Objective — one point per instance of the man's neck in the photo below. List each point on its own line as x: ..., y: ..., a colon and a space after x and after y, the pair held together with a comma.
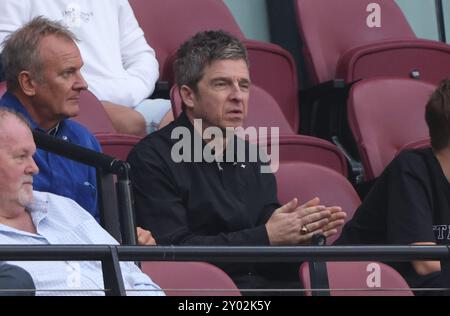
x: 443, y: 156
x: 37, y: 118
x: 18, y: 219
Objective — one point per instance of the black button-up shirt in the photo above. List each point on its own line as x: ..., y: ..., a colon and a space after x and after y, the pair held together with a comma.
x: 195, y: 204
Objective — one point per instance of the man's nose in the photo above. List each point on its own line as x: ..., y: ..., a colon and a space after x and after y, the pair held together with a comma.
x: 237, y: 93
x: 32, y: 168
x: 80, y: 83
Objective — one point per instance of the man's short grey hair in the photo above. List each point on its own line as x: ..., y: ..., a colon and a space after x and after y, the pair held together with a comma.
x: 202, y: 50
x: 5, y: 112
x: 21, y: 49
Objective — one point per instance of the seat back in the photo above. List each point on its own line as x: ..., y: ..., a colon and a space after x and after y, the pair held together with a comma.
x: 93, y: 116
x: 271, y: 67
x: 329, y: 28
x: 302, y: 148
x: 186, y: 19
x: 117, y: 145
x: 415, y: 58
x: 385, y: 114
x: 360, y: 279
x: 190, y: 278
x: 306, y: 181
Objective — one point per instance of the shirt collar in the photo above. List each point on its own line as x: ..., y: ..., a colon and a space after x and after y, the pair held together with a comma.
x: 38, y: 209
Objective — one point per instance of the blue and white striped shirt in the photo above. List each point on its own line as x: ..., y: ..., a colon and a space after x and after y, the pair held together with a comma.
x: 61, y: 221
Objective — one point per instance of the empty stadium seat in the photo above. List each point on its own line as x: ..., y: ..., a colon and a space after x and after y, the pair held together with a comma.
x: 94, y: 117
x: 190, y: 278
x: 307, y: 180
x: 384, y: 115
x: 339, y: 43
x: 272, y: 68
x: 264, y: 112
x: 360, y: 279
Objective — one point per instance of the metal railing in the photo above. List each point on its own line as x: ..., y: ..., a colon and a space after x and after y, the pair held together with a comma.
x: 110, y: 256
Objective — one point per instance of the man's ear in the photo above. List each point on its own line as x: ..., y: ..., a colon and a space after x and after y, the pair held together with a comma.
x: 26, y: 83
x: 187, y: 96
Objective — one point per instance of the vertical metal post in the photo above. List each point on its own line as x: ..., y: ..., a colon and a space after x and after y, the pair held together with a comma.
x: 126, y: 207
x: 112, y: 275
x: 440, y: 20
x: 109, y: 213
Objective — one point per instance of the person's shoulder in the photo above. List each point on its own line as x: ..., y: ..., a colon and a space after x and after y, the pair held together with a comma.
x: 65, y: 209
x: 413, y: 158
x: 413, y: 162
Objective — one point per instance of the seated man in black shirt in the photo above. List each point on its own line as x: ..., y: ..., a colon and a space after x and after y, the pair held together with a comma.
x: 210, y: 202
x: 410, y: 202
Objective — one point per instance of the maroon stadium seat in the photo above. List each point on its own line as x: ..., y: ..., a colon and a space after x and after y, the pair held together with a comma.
x: 190, y: 278
x: 384, y: 115
x: 264, y: 112
x: 272, y: 68
x: 340, y: 45
x: 306, y: 181
x: 360, y: 279
x: 93, y: 116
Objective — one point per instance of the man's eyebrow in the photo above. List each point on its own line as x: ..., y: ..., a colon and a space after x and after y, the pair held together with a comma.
x: 221, y: 79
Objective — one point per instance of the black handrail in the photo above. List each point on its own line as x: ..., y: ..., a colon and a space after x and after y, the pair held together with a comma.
x: 224, y: 254
x: 112, y: 255
x: 112, y: 211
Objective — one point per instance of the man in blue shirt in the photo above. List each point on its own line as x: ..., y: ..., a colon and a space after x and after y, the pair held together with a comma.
x: 45, y: 88
x: 42, y: 66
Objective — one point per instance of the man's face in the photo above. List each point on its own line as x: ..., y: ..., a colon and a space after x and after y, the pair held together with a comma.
x: 57, y: 94
x: 17, y: 166
x: 222, y: 96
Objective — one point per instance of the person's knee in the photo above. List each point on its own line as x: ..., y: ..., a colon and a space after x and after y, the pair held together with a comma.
x: 15, y: 281
x: 125, y: 120
x: 135, y: 125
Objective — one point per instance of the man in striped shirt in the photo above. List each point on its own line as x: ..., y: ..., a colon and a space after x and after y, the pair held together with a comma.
x: 37, y: 218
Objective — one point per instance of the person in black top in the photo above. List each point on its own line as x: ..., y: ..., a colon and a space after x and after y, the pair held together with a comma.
x: 220, y: 200
x: 410, y: 202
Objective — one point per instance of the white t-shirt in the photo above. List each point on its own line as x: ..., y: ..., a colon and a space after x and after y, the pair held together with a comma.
x: 120, y: 66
